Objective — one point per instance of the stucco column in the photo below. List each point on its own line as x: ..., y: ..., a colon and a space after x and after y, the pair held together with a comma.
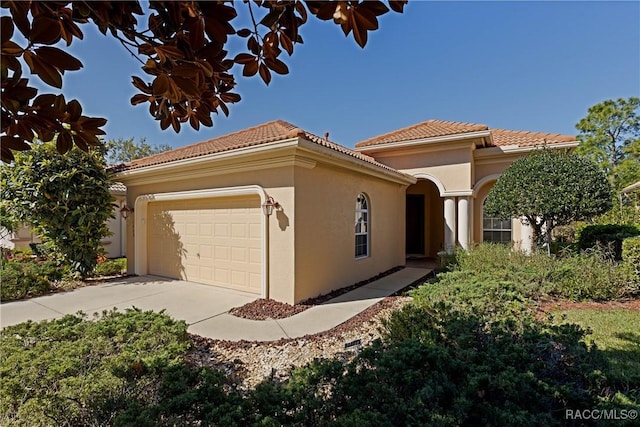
x: 526, y: 238
x: 449, y: 224
x: 463, y: 222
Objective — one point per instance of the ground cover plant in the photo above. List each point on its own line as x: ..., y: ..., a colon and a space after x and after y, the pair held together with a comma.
x: 110, y: 267
x: 470, y: 349
x: 71, y: 371
x: 591, y: 275
x: 25, y: 275
x: 27, y: 279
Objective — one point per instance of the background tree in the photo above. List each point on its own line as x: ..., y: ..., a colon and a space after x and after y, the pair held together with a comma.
x: 610, y: 135
x: 65, y: 198
x: 548, y: 188
x: 125, y: 150
x: 180, y: 45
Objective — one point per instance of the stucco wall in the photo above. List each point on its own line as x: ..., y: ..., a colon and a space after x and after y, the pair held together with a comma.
x: 115, y: 245
x: 451, y: 164
x: 325, y: 217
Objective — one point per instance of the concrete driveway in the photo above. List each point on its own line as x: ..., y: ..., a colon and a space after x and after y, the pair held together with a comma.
x: 187, y: 301
x: 205, y: 308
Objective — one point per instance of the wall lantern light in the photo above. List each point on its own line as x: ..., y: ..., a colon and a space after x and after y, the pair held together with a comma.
x: 268, y: 205
x: 125, y: 211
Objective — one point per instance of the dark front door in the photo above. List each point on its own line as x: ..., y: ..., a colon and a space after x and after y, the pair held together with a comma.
x: 415, y: 224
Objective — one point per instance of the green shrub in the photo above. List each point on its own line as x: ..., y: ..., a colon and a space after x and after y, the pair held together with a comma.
x: 609, y: 236
x: 72, y: 371
x: 41, y: 250
x: 497, y: 269
x: 187, y: 396
x: 111, y: 267
x: 631, y: 257
x: 590, y: 275
x: 446, y: 366
x: 27, y: 279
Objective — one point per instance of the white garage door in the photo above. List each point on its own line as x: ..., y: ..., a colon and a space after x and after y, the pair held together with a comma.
x: 211, y: 241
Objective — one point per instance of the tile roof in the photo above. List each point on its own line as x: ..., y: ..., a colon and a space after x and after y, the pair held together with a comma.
x: 118, y: 188
x: 428, y: 129
x: 438, y: 128
x: 503, y: 137
x: 277, y: 130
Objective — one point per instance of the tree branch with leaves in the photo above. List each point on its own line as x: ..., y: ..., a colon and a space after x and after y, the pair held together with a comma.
x: 181, y: 46
x: 610, y: 135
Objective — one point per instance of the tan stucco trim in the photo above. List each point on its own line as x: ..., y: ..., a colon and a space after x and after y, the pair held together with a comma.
x: 335, y: 158
x: 444, y: 146
x: 433, y: 179
x: 292, y: 152
x: 141, y: 264
x: 421, y: 141
x: 481, y: 183
x: 225, y: 164
x: 516, y: 149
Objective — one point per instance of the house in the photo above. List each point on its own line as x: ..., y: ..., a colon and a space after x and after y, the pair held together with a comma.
x: 279, y: 212
x: 114, y: 245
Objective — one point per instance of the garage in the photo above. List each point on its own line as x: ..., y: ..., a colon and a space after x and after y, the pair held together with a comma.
x: 214, y: 241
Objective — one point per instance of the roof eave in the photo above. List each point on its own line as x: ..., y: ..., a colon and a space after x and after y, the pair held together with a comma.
x: 194, y: 161
x: 484, y: 134
x: 370, y: 168
x: 516, y: 149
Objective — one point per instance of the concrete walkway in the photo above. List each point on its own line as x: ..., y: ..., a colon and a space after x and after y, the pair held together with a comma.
x: 205, y: 308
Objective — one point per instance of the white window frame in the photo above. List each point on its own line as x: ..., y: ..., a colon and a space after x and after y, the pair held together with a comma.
x: 362, y: 218
x: 501, y: 230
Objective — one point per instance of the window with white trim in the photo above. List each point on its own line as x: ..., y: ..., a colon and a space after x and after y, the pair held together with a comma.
x: 362, y: 226
x: 495, y: 230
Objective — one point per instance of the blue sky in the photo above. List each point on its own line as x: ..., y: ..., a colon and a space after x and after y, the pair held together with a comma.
x: 515, y: 65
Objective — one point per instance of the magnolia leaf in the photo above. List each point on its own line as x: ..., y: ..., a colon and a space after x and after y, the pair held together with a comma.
x: 58, y: 58
x: 14, y: 143
x: 276, y: 65
x: 45, y: 30
x: 194, y: 122
x: 160, y: 85
x: 365, y: 18
x: 11, y: 48
x: 64, y: 142
x: 141, y: 85
x: 47, y: 73
x: 244, y: 33
x: 187, y: 86
x: 286, y: 43
x: 6, y: 29
x: 265, y: 74
x: 397, y: 5
x: 250, y: 69
x: 230, y: 97
x: 376, y: 7
x: 359, y: 33
x: 74, y: 109
x: 175, y: 123
x: 244, y: 58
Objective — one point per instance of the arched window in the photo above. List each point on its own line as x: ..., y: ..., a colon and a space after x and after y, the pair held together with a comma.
x: 362, y: 226
x: 495, y: 230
